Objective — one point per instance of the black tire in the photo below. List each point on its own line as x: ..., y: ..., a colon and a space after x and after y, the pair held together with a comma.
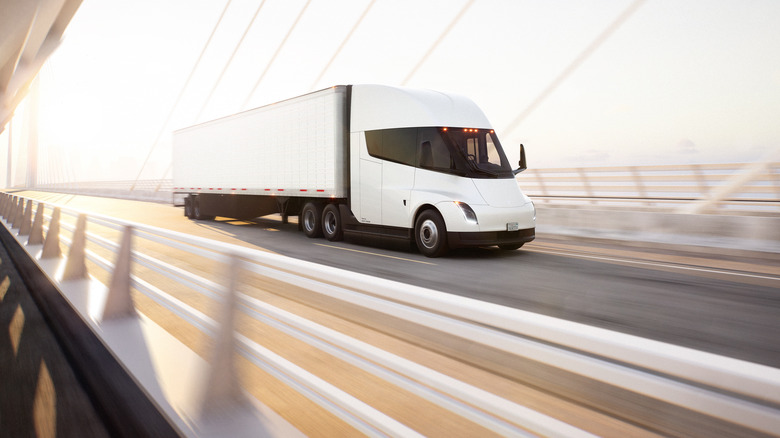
x: 510, y: 246
x: 430, y: 234
x: 332, y: 228
x: 188, y: 207
x: 197, y: 214
x: 311, y: 219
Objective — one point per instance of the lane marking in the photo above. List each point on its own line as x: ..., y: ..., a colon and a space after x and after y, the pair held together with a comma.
x: 661, y: 265
x: 376, y: 254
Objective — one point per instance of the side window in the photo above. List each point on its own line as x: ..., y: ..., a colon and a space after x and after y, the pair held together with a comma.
x: 400, y: 145
x: 492, y: 152
x: 374, y: 143
x: 397, y: 145
x: 434, y: 153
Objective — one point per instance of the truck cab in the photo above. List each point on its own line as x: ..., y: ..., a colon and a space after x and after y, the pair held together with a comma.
x: 428, y: 166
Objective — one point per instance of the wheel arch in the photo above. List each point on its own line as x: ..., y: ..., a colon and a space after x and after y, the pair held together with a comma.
x: 422, y: 208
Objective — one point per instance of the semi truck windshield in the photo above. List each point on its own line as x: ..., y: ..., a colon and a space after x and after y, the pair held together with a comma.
x: 481, y: 150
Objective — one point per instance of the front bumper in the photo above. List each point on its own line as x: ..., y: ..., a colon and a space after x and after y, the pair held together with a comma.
x: 489, y: 238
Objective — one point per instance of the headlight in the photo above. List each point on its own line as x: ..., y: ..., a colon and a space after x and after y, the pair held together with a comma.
x: 468, y: 213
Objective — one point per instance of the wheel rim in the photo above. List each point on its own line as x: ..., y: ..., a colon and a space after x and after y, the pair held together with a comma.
x: 309, y: 220
x: 330, y: 223
x: 429, y: 234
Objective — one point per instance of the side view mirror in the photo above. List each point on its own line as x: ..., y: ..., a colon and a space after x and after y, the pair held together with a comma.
x: 522, y: 162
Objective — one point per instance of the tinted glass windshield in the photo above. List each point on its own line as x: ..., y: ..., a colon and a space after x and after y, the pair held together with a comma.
x: 480, y: 148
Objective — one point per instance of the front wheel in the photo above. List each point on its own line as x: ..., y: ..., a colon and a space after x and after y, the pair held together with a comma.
x: 430, y: 234
x: 311, y: 217
x: 331, y: 223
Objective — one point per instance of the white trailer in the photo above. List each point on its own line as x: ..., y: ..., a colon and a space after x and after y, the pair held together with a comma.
x: 360, y: 159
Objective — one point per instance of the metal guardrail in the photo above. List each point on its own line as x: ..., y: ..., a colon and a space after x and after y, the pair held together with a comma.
x: 734, y: 392
x: 660, y: 187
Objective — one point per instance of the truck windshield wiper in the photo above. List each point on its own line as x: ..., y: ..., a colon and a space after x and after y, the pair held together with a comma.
x: 475, y: 167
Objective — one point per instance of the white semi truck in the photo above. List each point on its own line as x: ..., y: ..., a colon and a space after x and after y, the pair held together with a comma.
x: 373, y: 160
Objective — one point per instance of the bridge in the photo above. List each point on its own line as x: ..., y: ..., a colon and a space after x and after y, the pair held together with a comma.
x: 647, y: 305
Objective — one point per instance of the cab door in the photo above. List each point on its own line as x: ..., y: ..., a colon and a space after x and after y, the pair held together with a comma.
x: 368, y: 185
x: 398, y: 170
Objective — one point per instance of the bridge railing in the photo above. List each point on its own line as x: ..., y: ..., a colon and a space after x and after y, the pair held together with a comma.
x: 705, y: 390
x: 668, y: 187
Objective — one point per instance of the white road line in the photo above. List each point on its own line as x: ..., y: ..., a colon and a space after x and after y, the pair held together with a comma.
x: 376, y: 254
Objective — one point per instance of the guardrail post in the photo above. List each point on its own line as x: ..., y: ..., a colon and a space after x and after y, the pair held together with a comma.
x: 18, y: 212
x: 639, y: 183
x: 222, y: 391
x: 12, y: 209
x: 542, y: 185
x: 119, y: 302
x: 586, y: 183
x: 76, y: 266
x: 7, y: 208
x: 51, y: 247
x: 36, y: 233
x: 24, y: 229
x: 4, y: 205
x: 702, y: 183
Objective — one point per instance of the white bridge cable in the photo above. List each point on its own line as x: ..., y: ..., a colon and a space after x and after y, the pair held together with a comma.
x: 584, y: 55
x: 229, y: 61
x: 181, y: 93
x: 273, y: 58
x: 343, y: 43
x: 438, y: 41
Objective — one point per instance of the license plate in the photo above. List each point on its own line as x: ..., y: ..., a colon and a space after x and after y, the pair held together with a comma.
x: 512, y: 226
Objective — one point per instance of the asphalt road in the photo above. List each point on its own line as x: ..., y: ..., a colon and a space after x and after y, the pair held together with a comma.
x: 723, y: 303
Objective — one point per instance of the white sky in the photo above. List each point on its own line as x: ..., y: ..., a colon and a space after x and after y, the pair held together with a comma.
x: 680, y: 82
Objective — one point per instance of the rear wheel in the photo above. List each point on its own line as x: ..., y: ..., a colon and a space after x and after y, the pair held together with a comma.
x: 331, y: 223
x: 188, y: 207
x: 510, y: 246
x: 197, y: 214
x: 431, y: 234
x: 311, y: 219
